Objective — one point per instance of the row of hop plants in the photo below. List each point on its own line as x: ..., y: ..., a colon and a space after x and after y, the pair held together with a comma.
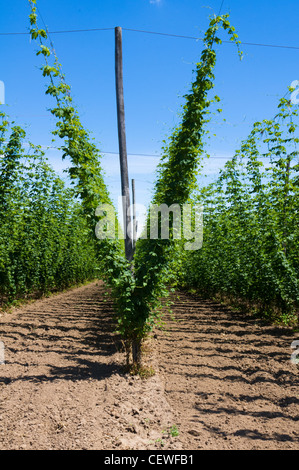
x: 250, y: 255
x: 45, y: 244
x: 136, y: 287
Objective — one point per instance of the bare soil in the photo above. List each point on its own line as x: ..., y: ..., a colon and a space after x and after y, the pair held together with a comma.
x: 222, y: 380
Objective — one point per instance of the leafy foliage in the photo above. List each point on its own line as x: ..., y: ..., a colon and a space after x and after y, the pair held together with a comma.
x: 250, y: 253
x: 136, y: 289
x: 44, y: 241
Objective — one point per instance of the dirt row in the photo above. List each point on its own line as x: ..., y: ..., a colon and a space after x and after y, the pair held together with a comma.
x: 222, y: 381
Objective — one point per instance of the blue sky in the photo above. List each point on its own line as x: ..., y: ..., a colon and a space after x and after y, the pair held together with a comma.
x: 157, y: 72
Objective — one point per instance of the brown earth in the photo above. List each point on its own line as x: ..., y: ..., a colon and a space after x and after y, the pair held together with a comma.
x: 223, y: 381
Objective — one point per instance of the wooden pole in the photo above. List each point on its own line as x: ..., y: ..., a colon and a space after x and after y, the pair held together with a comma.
x: 135, y: 342
x: 134, y: 216
x: 122, y: 141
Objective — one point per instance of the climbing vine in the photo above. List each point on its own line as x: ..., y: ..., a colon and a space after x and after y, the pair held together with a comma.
x: 250, y: 255
x: 136, y: 291
x: 44, y: 242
